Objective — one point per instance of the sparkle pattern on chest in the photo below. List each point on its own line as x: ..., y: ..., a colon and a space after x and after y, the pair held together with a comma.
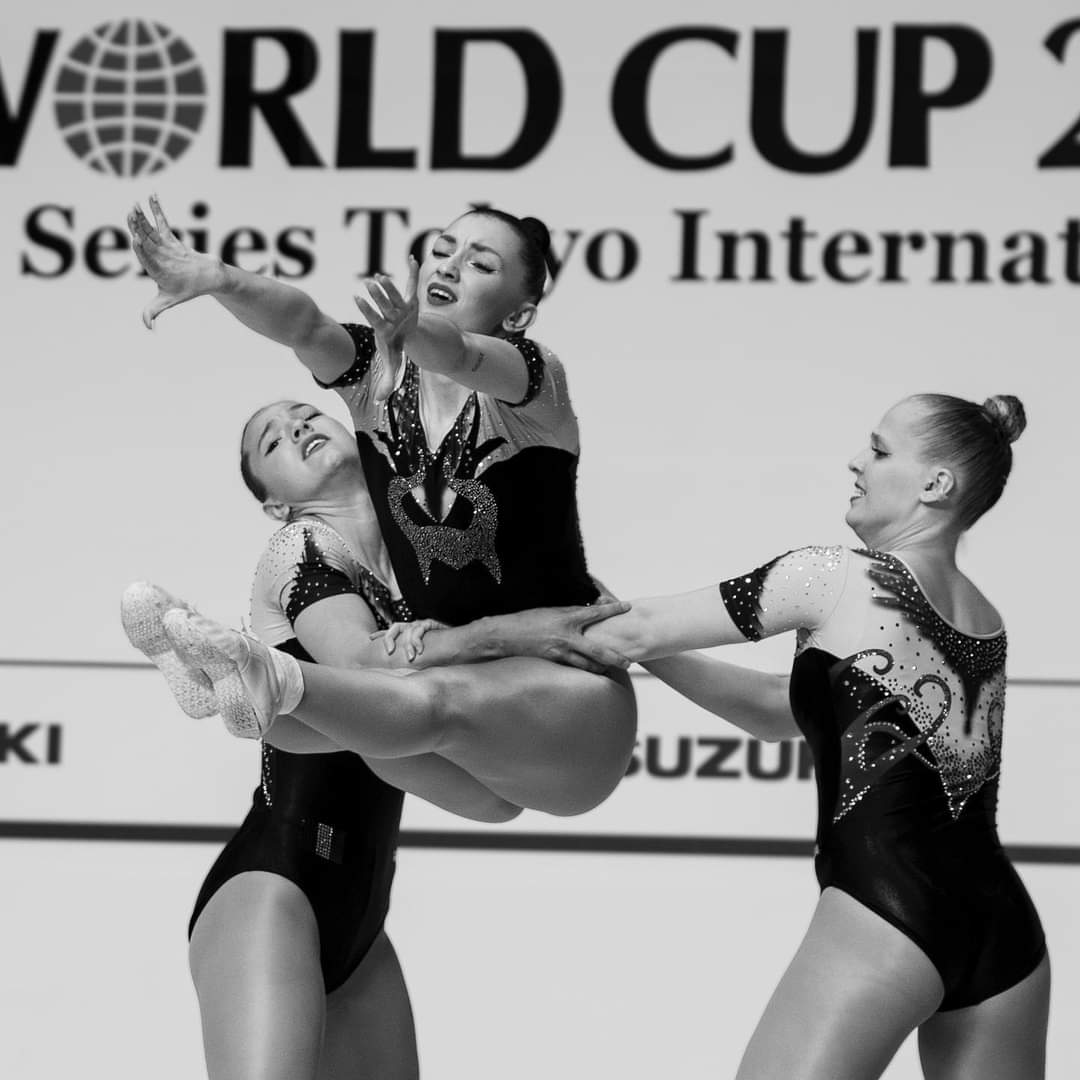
x: 961, y: 731
x: 450, y: 470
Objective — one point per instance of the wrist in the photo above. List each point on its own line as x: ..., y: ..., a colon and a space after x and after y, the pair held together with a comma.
x: 223, y: 278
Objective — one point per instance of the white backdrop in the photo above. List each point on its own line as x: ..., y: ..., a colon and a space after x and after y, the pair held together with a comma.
x: 720, y: 398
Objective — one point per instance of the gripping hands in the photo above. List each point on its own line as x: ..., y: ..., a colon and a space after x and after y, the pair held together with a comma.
x: 556, y: 634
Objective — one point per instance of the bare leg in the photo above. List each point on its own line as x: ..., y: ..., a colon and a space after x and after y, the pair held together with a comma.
x: 1002, y: 1038
x: 427, y: 776
x: 855, y: 990
x: 369, y: 1022
x: 254, y: 959
x: 539, y: 735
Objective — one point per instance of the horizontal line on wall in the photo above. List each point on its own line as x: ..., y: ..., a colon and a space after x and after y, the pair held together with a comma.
x: 584, y: 843
x: 141, y: 665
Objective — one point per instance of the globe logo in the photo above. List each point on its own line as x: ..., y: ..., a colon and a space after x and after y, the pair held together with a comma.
x: 130, y: 97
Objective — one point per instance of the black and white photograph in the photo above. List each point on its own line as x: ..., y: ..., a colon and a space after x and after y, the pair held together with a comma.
x: 539, y: 540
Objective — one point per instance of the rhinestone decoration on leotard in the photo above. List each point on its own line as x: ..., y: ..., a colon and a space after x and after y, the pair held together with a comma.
x: 428, y: 484
x: 322, y: 569
x: 878, y: 693
x: 455, y: 547
x: 975, y: 659
x: 364, y: 340
x: 534, y: 366
x: 442, y: 477
x: 966, y: 744
x: 804, y: 581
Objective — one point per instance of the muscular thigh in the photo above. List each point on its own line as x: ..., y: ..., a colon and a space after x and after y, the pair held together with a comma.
x: 254, y: 959
x: 541, y: 735
x: 1002, y: 1038
x: 369, y: 1022
x: 854, y: 991
x: 546, y: 693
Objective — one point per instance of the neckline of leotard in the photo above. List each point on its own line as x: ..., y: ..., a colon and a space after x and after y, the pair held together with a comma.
x: 413, y: 388
x: 930, y: 603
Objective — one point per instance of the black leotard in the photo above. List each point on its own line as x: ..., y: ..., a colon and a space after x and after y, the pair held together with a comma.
x: 488, y: 522
x: 324, y: 821
x: 903, y: 715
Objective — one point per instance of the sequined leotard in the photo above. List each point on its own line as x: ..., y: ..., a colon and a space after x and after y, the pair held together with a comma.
x: 487, y: 523
x: 903, y: 715
x: 324, y: 821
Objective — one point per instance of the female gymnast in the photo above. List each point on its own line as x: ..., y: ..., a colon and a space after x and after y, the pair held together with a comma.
x: 294, y: 973
x: 898, y: 685
x: 469, y: 446
x: 491, y: 527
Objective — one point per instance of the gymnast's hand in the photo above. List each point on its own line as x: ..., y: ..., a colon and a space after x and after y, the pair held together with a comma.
x: 605, y: 595
x: 556, y: 634
x: 409, y: 635
x: 392, y: 317
x: 179, y: 272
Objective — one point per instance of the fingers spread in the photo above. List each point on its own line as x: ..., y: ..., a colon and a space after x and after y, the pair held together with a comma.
x: 386, y: 283
x: 159, y: 216
x: 374, y: 318
x: 138, y: 224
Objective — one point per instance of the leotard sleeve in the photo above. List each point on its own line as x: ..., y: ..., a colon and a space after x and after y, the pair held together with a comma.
x: 303, y: 564
x: 799, y: 590
x: 354, y: 385
x: 544, y: 416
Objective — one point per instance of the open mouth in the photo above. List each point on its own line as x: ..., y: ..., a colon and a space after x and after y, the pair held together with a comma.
x: 315, y: 442
x: 440, y: 294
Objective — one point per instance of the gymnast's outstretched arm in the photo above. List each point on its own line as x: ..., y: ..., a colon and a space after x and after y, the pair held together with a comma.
x: 483, y: 362
x: 271, y: 308
x: 756, y: 701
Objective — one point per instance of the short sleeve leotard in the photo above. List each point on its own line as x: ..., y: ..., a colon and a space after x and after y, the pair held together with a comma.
x: 903, y: 715
x: 487, y: 522
x: 324, y: 821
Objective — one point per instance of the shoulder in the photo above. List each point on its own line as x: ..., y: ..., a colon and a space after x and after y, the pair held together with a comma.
x: 822, y: 558
x: 304, y: 541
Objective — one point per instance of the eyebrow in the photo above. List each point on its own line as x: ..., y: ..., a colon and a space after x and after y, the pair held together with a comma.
x: 475, y: 245
x: 270, y: 423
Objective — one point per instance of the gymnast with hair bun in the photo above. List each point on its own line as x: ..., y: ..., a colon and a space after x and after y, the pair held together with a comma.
x: 898, y: 687
x: 453, y: 505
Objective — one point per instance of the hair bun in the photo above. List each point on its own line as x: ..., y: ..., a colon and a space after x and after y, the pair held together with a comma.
x: 537, y: 232
x: 1007, y: 412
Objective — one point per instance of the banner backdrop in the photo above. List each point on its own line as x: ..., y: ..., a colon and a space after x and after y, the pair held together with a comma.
x: 770, y: 222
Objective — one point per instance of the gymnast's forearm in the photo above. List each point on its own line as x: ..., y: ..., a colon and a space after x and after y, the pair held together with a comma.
x: 279, y: 312
x: 755, y: 701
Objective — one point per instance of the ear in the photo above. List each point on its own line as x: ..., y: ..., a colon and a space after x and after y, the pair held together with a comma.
x: 939, y: 485
x: 519, y: 320
x: 276, y: 510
